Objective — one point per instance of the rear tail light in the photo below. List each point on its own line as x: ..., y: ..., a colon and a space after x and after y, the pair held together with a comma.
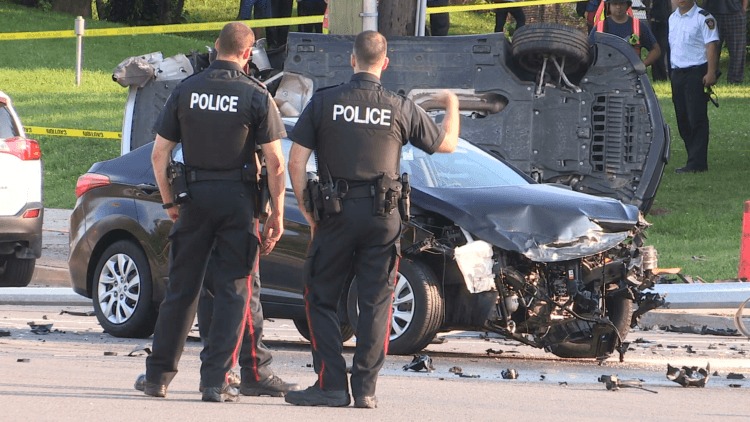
x: 32, y: 213
x: 90, y: 181
x: 25, y: 149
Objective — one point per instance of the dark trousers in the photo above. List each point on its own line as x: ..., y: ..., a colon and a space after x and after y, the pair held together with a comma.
x: 311, y: 8
x: 501, y: 15
x: 659, y: 70
x: 690, y: 106
x: 733, y: 32
x: 353, y: 240
x: 276, y: 35
x: 254, y: 358
x: 219, y: 215
x: 440, y: 23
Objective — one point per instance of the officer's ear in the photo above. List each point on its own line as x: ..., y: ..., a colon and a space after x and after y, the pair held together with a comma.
x: 353, y: 60
x: 385, y: 63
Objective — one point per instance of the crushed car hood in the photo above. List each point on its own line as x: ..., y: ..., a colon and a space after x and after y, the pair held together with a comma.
x: 545, y: 223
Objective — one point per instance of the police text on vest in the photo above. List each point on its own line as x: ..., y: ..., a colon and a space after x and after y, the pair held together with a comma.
x: 214, y: 102
x: 368, y: 116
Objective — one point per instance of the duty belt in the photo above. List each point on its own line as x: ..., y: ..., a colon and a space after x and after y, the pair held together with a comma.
x: 360, y: 191
x: 200, y: 175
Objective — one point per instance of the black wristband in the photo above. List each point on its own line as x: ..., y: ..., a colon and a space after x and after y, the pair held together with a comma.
x: 168, y: 205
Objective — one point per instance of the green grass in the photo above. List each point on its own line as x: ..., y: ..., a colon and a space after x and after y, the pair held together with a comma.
x: 696, y: 218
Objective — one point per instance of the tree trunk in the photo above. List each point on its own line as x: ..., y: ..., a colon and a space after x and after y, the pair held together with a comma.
x: 397, y: 17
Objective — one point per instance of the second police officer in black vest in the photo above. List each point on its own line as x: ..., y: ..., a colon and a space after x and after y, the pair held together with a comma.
x: 219, y: 115
x: 357, y: 131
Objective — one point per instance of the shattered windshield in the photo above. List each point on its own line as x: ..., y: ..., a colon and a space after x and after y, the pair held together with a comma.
x: 467, y: 167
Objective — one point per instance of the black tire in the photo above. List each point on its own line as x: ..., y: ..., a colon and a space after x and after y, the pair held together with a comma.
x: 619, y: 311
x: 17, y: 271
x: 533, y: 42
x: 122, y: 291
x: 347, y: 331
x: 415, y: 321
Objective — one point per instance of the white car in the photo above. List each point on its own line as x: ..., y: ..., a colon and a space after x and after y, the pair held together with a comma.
x: 21, y: 209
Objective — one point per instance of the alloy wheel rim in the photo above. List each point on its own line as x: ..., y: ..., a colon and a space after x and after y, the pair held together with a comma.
x: 402, y: 309
x: 119, y: 288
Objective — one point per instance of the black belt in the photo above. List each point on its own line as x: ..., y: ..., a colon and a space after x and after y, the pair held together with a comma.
x: 360, y: 191
x: 689, y: 68
x: 200, y: 175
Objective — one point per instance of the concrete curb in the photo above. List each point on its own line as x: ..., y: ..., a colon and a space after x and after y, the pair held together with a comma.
x: 30, y: 296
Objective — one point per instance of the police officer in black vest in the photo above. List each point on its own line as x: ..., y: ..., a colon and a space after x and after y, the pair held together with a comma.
x: 219, y: 115
x: 357, y: 131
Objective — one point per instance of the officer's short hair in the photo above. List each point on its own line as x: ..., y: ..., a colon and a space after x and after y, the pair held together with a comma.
x: 369, y: 48
x: 234, y: 38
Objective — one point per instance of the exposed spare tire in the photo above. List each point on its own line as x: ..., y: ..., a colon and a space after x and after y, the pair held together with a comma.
x: 533, y: 42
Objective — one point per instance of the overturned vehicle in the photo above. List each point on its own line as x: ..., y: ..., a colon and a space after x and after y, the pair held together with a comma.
x: 505, y: 234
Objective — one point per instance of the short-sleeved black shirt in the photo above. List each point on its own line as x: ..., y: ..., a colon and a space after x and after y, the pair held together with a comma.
x: 220, y: 115
x: 357, y: 129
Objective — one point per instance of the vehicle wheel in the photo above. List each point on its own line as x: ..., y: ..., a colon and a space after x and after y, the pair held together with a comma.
x: 122, y: 291
x: 347, y: 331
x: 17, y: 272
x: 533, y: 42
x: 418, y: 308
x: 619, y: 311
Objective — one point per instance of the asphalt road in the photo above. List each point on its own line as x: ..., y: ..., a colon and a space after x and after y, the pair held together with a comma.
x: 79, y: 373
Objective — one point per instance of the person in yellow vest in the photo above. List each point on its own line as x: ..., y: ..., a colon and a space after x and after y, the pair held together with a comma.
x: 621, y: 23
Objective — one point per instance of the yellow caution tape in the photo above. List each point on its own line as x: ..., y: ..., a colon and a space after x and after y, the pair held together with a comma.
x: 491, y: 6
x: 255, y: 23
x: 74, y: 133
x: 159, y: 29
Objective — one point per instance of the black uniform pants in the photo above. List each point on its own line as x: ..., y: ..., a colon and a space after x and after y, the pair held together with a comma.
x: 219, y: 214
x: 311, y: 8
x: 277, y: 35
x: 659, y: 70
x: 254, y: 358
x: 501, y: 15
x: 440, y: 23
x: 352, y: 240
x: 690, y: 106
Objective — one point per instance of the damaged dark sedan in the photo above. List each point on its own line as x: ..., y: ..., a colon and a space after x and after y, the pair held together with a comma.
x: 487, y: 246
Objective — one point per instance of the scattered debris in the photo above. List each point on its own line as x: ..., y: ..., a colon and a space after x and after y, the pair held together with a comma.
x: 110, y: 353
x: 4, y: 333
x: 509, y: 374
x: 704, y: 330
x: 613, y: 383
x: 140, y: 350
x: 715, y: 374
x: 712, y: 347
x: 542, y: 377
x: 735, y: 376
x: 25, y: 360
x: 462, y: 375
x: 78, y: 313
x: 689, y: 349
x: 456, y: 370
x: 563, y: 383
x: 692, y: 376
x: 735, y: 385
x: 640, y: 340
x: 494, y: 352
x: 40, y: 328
x: 44, y: 316
x: 420, y: 363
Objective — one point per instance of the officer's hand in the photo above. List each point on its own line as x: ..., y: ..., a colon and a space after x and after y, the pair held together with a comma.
x: 173, y: 213
x: 446, y: 98
x: 272, y: 230
x: 709, y: 79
